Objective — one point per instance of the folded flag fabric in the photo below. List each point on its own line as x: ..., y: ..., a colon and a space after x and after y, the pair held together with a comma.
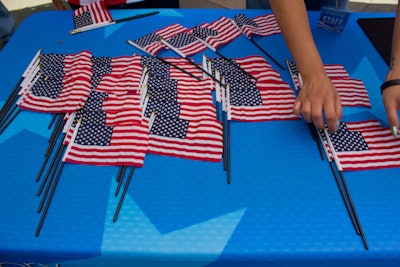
x: 362, y: 145
x: 264, y: 25
x: 91, y: 14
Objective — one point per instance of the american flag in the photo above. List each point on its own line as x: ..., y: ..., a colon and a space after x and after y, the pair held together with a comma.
x: 265, y: 100
x: 174, y: 109
x: 62, y: 87
x: 182, y: 91
x: 186, y: 44
x: 351, y: 91
x: 118, y: 145
x: 93, y: 13
x: 264, y: 25
x: 190, y: 139
x: 122, y: 109
x: 164, y: 70
x: 217, y: 33
x: 363, y: 145
x: 151, y: 42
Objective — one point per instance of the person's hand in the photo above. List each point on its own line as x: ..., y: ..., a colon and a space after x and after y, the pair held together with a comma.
x: 317, y: 99
x: 391, y: 100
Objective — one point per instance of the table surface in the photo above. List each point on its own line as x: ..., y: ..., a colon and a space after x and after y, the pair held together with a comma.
x: 282, y: 208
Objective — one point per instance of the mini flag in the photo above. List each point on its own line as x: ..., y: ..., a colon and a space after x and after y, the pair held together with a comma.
x: 190, y: 139
x: 363, y: 145
x: 93, y: 13
x: 186, y: 44
x: 118, y: 145
x: 151, y: 42
x: 217, y: 33
x: 264, y: 25
x: 352, y: 92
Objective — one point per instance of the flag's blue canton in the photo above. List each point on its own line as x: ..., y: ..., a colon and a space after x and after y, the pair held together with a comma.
x: 100, y: 66
x: 240, y: 81
x: 47, y: 87
x: 90, y: 117
x: 241, y: 20
x: 245, y: 98
x: 163, y: 88
x: 52, y: 63
x: 162, y: 108
x: 83, y: 20
x: 147, y: 40
x: 344, y: 140
x: 181, y: 39
x: 224, y: 67
x: 203, y: 32
x: 94, y: 135
x: 170, y: 127
x: 156, y: 66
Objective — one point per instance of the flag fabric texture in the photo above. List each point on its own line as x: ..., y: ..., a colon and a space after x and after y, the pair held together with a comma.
x: 91, y: 14
x: 189, y: 139
x: 118, y: 145
x: 362, y: 145
x: 269, y: 98
x: 352, y: 91
x: 62, y: 85
x: 264, y: 25
x: 151, y: 42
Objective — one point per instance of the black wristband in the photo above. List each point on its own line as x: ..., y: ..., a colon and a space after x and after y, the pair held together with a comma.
x: 389, y: 83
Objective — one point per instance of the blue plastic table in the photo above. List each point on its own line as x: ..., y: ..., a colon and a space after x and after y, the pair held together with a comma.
x: 282, y: 208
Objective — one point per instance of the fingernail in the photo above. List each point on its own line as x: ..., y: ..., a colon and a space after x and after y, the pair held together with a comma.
x: 337, y: 125
x: 394, y: 131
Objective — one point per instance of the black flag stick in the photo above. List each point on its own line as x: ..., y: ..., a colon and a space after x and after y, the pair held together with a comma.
x: 53, y: 118
x: 14, y: 94
x: 345, y: 191
x: 99, y: 25
x: 225, y: 58
x: 4, y: 125
x: 191, y: 62
x: 46, y: 208
x: 354, y: 209
x: 163, y: 60
x: 121, y: 200
x: 228, y: 136
x: 120, y: 180
x: 259, y: 47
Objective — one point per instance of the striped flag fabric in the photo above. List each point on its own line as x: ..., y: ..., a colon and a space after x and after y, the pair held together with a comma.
x: 351, y: 91
x: 217, y: 33
x: 362, y: 145
x: 91, y: 14
x: 62, y: 85
x: 189, y: 139
x: 102, y: 145
x: 151, y: 42
x: 264, y: 25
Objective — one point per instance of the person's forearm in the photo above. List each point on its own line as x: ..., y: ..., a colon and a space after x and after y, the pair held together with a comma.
x: 293, y: 21
x: 394, y: 68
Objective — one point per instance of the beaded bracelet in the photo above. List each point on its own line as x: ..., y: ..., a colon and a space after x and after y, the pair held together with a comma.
x: 389, y: 83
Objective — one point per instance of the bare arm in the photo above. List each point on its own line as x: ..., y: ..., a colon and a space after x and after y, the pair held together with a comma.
x: 59, y: 4
x: 318, y: 96
x: 391, y: 95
